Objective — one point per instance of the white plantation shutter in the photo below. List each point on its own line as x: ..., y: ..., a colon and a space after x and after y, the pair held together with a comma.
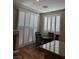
x: 27, y: 25
x: 52, y: 24
x: 57, y: 23
x: 45, y: 24
x: 49, y: 24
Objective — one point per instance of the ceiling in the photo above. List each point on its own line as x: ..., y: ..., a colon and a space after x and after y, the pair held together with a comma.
x: 52, y: 5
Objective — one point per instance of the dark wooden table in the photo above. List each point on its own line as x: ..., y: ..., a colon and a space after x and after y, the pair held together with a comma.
x: 49, y: 52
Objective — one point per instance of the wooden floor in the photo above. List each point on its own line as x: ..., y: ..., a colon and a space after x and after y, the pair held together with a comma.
x: 30, y: 52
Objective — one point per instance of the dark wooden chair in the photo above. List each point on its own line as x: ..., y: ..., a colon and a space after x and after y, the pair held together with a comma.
x: 50, y: 34
x: 38, y: 38
x: 42, y: 40
x: 56, y: 37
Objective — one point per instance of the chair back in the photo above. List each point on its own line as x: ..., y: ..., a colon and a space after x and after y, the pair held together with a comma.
x: 57, y: 37
x: 37, y: 34
x: 38, y: 38
x: 50, y: 34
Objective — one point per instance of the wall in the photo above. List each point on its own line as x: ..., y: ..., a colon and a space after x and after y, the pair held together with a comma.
x: 62, y: 28
x: 62, y: 36
x: 15, y: 17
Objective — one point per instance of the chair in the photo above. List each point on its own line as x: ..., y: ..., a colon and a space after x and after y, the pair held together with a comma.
x: 56, y: 37
x: 51, y: 35
x: 38, y: 38
x: 38, y: 34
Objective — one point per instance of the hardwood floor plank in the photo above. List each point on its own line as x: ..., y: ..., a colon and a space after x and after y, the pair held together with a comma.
x: 29, y: 52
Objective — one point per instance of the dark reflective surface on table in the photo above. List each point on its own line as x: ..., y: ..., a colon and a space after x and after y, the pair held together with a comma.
x: 54, y: 47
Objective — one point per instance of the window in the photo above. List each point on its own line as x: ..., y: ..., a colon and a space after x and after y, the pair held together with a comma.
x: 27, y: 25
x: 45, y: 24
x: 49, y: 24
x: 57, y: 23
x: 52, y: 24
